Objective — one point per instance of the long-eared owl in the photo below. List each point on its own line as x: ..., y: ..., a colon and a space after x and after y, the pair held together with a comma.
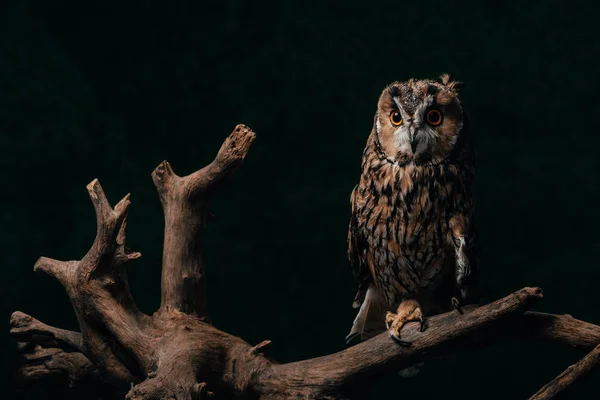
x: 411, y: 239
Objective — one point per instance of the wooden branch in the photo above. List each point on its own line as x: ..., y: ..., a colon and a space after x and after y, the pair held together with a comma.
x: 52, y: 359
x: 363, y: 362
x: 185, y: 205
x: 27, y: 329
x: 97, y: 286
x: 44, y: 364
x: 176, y: 354
x: 558, y: 328
x: 569, y: 376
x: 59, y: 373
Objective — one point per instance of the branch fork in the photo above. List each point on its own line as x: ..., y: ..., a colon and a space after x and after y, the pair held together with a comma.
x: 177, y: 354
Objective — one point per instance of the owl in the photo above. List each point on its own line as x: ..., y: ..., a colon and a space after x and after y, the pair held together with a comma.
x: 411, y: 239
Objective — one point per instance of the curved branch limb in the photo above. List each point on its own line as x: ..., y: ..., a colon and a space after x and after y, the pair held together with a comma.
x: 94, y: 343
x: 25, y: 328
x: 337, y: 373
x: 43, y: 364
x: 111, y: 325
x: 569, y: 376
x: 100, y: 259
x: 231, y: 155
x: 185, y: 205
x: 558, y: 328
x: 60, y: 373
x: 63, y: 271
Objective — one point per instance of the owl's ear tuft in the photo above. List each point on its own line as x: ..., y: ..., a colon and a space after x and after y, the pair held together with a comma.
x: 451, y: 84
x: 445, y: 79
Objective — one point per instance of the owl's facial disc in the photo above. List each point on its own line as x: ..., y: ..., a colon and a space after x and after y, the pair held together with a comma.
x: 415, y: 131
x: 418, y: 121
x: 415, y: 137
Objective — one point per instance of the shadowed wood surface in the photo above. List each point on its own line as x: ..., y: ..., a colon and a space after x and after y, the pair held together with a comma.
x: 176, y: 353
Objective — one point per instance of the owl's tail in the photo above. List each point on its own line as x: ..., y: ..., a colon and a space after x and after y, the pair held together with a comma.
x: 370, y: 319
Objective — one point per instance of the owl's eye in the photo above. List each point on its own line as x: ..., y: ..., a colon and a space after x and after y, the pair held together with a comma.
x: 434, y: 117
x: 396, y: 118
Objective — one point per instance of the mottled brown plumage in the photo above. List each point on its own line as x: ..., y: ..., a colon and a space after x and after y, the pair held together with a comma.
x: 411, y: 240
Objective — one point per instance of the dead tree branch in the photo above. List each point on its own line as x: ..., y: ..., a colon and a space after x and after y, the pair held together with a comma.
x: 177, y: 354
x: 27, y: 329
x: 185, y: 204
x: 569, y: 376
x: 559, y: 328
x: 39, y: 364
x: 52, y: 357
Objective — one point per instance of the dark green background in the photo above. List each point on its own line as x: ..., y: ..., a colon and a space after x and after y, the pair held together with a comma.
x: 109, y: 89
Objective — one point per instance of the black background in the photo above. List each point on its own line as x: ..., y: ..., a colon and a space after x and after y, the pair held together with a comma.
x: 109, y: 89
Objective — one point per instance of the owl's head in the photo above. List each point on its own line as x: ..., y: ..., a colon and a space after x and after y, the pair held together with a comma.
x: 419, y: 121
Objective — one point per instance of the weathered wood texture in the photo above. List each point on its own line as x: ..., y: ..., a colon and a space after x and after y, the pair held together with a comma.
x: 177, y: 354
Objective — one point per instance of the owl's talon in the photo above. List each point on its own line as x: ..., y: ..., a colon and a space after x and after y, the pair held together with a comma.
x: 456, y: 305
x: 389, y: 319
x: 423, y: 324
x: 400, y: 341
x: 408, y: 310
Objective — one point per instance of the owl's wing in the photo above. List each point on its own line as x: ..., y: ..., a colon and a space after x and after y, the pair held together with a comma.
x: 357, y: 247
x: 470, y: 289
x: 467, y: 261
x: 464, y: 233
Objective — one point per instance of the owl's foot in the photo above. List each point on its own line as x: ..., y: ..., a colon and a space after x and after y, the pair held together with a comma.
x: 409, y: 310
x: 456, y: 304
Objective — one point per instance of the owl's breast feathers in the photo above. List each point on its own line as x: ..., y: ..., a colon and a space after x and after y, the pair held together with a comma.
x: 400, y: 234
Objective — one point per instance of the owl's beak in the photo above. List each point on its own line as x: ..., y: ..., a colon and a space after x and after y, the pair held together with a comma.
x: 413, y: 145
x: 412, y: 139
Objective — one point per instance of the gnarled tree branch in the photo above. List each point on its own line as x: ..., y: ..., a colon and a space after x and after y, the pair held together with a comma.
x: 359, y: 364
x: 184, y: 201
x: 175, y: 353
x: 27, y: 329
x: 111, y: 325
x: 45, y: 364
x: 52, y: 357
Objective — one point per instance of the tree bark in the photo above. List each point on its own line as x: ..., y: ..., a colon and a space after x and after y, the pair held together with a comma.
x: 177, y: 354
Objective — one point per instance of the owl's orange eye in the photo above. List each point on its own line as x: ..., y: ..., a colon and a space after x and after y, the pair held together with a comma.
x: 434, y: 117
x: 396, y: 118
